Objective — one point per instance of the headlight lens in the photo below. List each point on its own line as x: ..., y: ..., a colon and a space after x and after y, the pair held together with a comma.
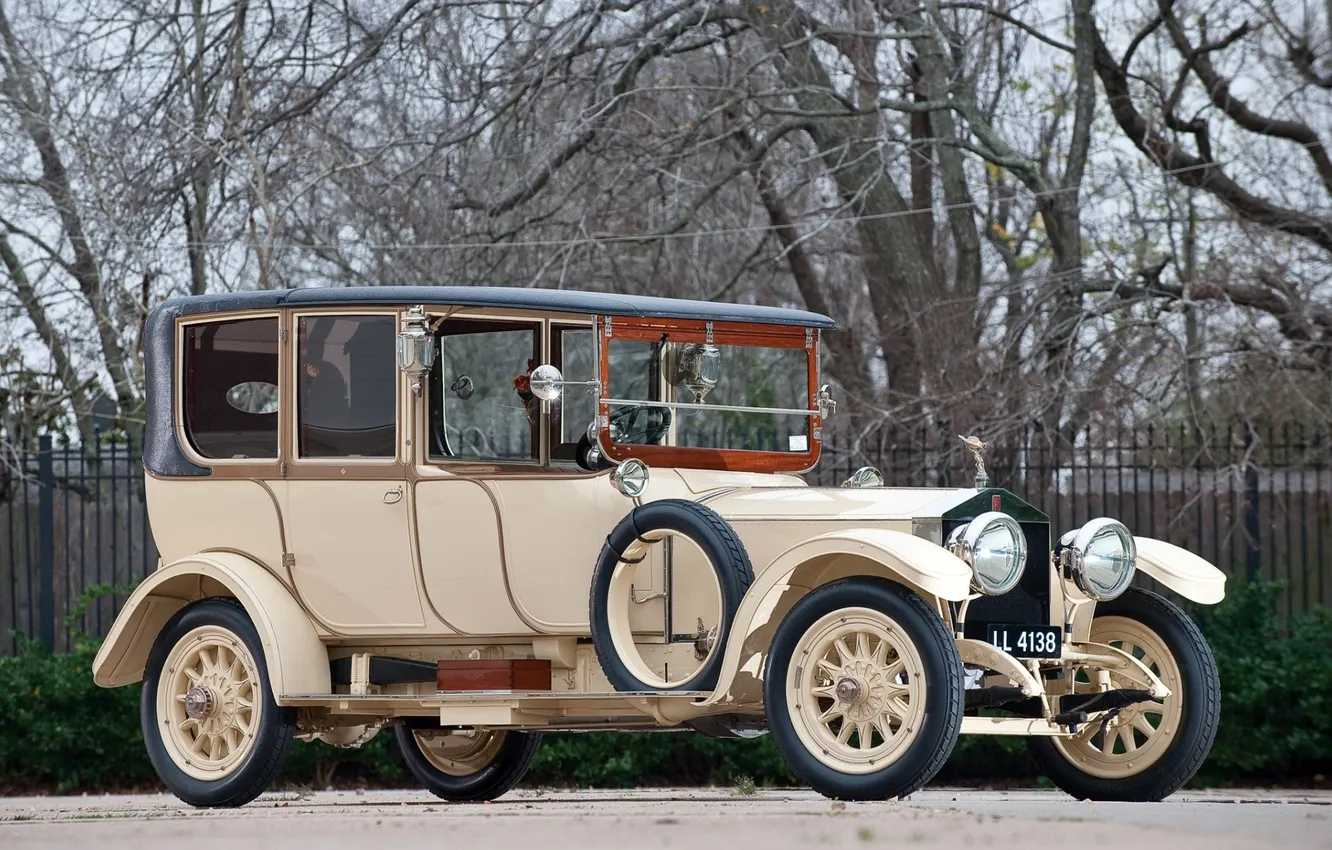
x: 1101, y: 559
x: 993, y: 546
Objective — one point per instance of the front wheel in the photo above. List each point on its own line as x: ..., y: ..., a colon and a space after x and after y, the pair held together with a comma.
x: 467, y: 765
x: 214, y: 734
x: 863, y: 690
x: 1147, y: 751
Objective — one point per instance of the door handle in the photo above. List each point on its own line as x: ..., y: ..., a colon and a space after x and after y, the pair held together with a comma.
x: 393, y: 496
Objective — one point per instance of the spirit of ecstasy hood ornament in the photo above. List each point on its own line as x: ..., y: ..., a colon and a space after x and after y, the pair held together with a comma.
x: 977, y: 449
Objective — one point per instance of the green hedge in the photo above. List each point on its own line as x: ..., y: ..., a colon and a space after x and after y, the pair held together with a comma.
x: 62, y: 733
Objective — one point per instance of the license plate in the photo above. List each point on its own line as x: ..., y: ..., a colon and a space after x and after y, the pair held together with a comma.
x: 1025, y: 641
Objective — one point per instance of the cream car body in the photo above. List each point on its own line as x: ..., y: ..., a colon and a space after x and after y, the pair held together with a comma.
x: 364, y: 567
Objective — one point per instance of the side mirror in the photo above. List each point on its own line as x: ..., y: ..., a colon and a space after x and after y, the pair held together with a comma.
x: 547, y: 384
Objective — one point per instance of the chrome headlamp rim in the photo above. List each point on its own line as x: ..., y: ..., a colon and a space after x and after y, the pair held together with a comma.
x: 1073, y: 556
x: 963, y: 540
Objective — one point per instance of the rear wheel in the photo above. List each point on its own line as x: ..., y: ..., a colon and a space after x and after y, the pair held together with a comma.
x: 1147, y: 751
x: 467, y: 765
x: 863, y: 690
x: 213, y: 732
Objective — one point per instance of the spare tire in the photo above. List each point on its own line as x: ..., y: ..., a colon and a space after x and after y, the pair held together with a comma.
x: 726, y: 555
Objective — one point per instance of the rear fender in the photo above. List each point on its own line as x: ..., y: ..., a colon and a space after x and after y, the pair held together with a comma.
x: 297, y: 660
x: 925, y: 567
x: 1180, y: 570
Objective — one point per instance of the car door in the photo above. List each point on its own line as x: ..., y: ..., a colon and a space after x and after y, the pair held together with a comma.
x: 509, y: 525
x: 346, y: 512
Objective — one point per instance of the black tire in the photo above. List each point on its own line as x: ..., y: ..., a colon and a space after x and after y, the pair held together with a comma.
x: 944, y: 699
x: 496, y: 779
x: 1201, y: 708
x: 724, y: 551
x: 276, y: 726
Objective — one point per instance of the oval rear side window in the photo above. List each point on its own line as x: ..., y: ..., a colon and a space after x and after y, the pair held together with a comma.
x: 254, y: 397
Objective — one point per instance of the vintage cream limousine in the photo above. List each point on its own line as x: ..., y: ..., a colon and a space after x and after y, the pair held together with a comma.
x: 464, y: 516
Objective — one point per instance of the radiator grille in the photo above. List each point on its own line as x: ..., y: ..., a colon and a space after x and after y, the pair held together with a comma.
x: 1027, y: 604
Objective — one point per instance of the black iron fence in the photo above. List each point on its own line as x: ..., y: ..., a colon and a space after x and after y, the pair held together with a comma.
x: 70, y: 521
x: 1256, y: 502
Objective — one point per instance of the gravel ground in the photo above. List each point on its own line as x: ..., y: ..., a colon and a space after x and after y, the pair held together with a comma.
x: 936, y: 818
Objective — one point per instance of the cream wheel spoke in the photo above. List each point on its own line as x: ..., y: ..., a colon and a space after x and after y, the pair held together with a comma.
x: 884, y: 723
x: 1108, y: 740
x: 899, y: 708
x: 1130, y: 741
x: 829, y: 691
x: 863, y: 736
x: 862, y: 645
x: 1143, y: 725
x: 827, y: 667
x: 844, y: 734
x: 894, y: 670
x: 844, y: 651
x: 831, y: 714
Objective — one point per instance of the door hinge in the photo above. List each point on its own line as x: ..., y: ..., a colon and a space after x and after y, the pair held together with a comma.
x: 282, y: 469
x: 608, y: 326
x: 282, y: 335
x: 288, y: 559
x: 809, y: 337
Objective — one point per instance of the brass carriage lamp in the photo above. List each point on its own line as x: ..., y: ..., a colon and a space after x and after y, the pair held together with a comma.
x: 416, y: 347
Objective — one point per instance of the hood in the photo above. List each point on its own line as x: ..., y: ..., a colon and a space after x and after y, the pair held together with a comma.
x: 836, y: 503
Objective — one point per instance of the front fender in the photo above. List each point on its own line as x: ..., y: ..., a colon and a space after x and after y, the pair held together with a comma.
x: 297, y: 660
x: 1180, y: 570
x: 925, y: 567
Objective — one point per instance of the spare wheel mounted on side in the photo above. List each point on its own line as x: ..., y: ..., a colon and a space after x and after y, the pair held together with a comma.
x: 626, y: 547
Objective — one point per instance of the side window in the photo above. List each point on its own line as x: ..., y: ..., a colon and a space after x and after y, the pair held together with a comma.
x: 346, y: 386
x: 573, y: 351
x: 481, y: 406
x: 231, y: 393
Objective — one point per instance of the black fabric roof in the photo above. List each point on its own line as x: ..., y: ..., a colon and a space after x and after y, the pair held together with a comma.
x: 553, y: 300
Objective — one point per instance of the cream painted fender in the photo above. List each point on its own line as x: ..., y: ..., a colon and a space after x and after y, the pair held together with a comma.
x: 297, y: 660
x: 1180, y: 570
x: 925, y: 567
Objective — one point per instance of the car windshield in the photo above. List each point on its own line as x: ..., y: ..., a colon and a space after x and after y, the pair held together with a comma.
x: 717, y: 377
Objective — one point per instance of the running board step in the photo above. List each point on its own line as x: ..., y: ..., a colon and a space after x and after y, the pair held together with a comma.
x: 493, y: 674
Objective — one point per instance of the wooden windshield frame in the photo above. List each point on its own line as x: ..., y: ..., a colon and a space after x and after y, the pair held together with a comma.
x: 721, y: 333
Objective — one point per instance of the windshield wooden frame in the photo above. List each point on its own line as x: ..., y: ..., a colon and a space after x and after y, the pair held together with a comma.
x: 720, y: 333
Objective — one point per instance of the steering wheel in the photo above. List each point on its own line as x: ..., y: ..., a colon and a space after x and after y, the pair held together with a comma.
x: 625, y: 427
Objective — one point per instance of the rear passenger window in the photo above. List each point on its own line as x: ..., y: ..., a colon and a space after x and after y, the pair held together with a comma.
x: 231, y: 375
x: 347, y: 382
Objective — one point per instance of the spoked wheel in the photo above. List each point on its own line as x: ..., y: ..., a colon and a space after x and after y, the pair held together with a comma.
x: 467, y: 765
x: 864, y: 690
x: 1149, y: 750
x: 213, y: 732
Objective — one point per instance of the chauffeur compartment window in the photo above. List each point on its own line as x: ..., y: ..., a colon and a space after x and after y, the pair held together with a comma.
x: 230, y: 398
x: 346, y: 386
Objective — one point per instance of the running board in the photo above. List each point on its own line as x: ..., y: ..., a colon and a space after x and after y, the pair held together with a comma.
x: 505, y: 708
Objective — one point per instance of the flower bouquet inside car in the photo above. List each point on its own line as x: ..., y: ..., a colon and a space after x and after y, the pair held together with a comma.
x: 522, y: 384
